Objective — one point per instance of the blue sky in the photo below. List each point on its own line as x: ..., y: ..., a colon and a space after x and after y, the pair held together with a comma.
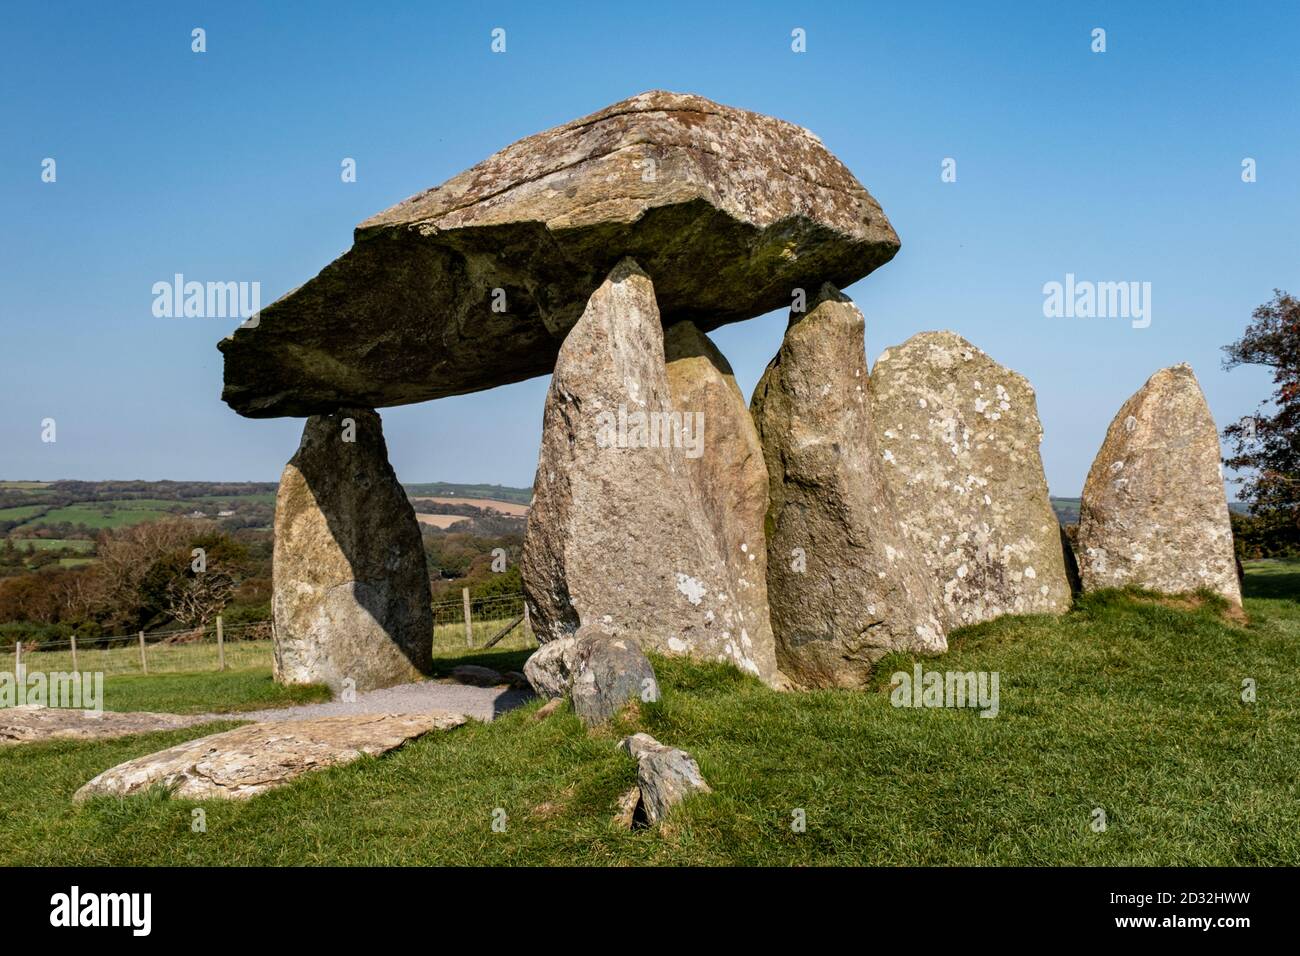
x: 1115, y: 166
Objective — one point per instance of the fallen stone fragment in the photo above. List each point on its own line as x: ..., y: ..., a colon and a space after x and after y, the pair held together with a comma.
x: 475, y: 283
x: 477, y: 676
x: 1154, y: 512
x: 32, y: 723
x: 351, y: 586
x: 844, y: 585
x: 610, y: 672
x: 250, y: 760
x: 550, y: 668
x: 665, y: 775
x: 958, y: 438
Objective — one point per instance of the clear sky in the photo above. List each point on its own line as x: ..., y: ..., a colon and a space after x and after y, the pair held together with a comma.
x: 1117, y: 166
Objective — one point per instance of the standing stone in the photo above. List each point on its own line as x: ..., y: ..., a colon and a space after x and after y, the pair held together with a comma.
x: 351, y: 588
x: 958, y: 439
x: 617, y: 533
x: 844, y: 587
x: 731, y: 478
x: 1154, y: 513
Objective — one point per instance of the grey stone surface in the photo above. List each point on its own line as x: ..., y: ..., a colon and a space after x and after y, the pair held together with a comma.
x: 730, y: 478
x: 665, y: 777
x: 1154, y: 512
x: 247, y: 761
x: 610, y: 672
x: 958, y: 438
x: 844, y: 585
x: 34, y: 723
x: 618, y: 533
x: 550, y: 668
x: 726, y: 209
x: 351, y: 587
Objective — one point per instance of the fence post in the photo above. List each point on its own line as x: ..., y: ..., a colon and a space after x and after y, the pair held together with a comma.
x: 221, y: 646
x: 469, y: 628
x: 144, y: 661
x: 74, y: 653
x: 528, y: 621
x: 18, y: 663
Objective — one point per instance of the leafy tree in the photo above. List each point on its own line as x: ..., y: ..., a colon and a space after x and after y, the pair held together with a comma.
x: 1267, y: 444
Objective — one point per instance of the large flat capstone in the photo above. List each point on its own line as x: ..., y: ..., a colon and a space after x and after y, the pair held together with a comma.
x: 474, y: 283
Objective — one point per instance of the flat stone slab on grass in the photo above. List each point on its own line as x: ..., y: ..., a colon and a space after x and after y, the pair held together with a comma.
x: 251, y: 760
x: 35, y: 723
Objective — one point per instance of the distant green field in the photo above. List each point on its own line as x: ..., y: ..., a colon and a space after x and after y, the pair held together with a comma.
x: 521, y: 496
x: 99, y: 514
x: 53, y: 544
x: 24, y: 485
x: 266, y: 498
x: 21, y: 512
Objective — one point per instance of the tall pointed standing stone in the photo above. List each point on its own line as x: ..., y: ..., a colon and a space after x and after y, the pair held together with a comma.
x: 958, y: 437
x: 844, y: 587
x: 729, y: 475
x: 1154, y: 512
x: 617, y: 533
x: 351, y: 587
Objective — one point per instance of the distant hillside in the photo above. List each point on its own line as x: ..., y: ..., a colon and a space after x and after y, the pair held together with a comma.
x: 1067, y: 509
x: 445, y: 489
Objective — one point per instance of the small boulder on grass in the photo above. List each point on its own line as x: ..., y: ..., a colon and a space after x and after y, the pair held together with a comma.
x: 665, y: 776
x: 610, y: 672
x: 550, y: 668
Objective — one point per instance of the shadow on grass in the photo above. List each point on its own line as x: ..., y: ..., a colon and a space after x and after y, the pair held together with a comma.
x: 1277, y: 580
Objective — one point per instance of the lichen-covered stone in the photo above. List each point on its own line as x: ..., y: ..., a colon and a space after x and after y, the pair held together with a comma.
x: 958, y: 438
x: 247, y: 761
x: 549, y: 669
x: 475, y: 283
x: 609, y: 673
x: 350, y: 584
x: 1154, y: 512
x: 32, y: 723
x: 844, y: 586
x: 731, y: 478
x: 665, y: 777
x: 618, y: 536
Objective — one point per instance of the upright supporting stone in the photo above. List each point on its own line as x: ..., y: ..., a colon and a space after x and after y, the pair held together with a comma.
x: 351, y: 588
x: 844, y: 586
x: 1154, y: 512
x: 618, y: 536
x: 958, y: 438
x: 730, y: 477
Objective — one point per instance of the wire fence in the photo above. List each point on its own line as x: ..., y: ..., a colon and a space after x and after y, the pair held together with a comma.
x: 458, y: 627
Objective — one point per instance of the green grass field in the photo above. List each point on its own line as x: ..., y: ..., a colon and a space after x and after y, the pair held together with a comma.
x: 1128, y: 705
x: 21, y: 512
x: 53, y: 544
x: 100, y: 514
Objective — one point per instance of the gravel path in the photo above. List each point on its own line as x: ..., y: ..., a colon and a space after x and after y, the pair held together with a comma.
x: 481, y: 703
